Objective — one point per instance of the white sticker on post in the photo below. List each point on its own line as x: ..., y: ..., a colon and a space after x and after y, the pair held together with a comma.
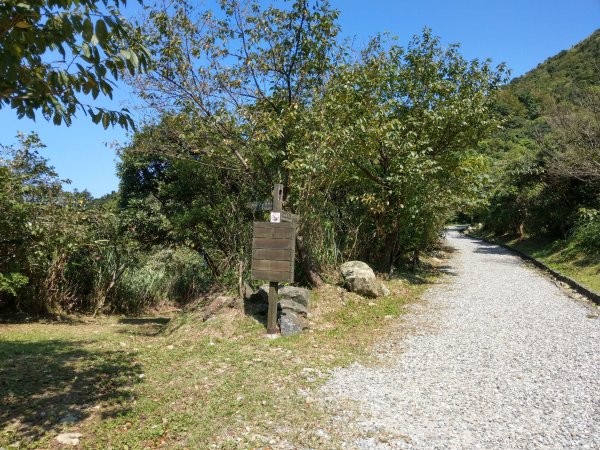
x: 275, y: 217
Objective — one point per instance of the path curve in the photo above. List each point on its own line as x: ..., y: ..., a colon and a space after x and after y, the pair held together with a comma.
x: 511, y: 362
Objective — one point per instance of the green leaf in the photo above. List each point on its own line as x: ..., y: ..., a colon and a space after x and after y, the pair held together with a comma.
x: 85, y: 48
x: 64, y: 77
x: 134, y: 60
x: 88, y: 30
x: 96, y: 117
x: 101, y: 31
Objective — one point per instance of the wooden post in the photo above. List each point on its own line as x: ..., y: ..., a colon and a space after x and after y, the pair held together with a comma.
x: 274, y: 285
x: 278, y: 198
x: 272, y: 314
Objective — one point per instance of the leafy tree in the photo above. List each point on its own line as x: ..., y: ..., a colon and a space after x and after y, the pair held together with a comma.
x: 375, y: 153
x: 28, y: 196
x: 233, y: 84
x: 576, y: 153
x: 52, y: 52
x: 62, y: 251
x: 396, y: 133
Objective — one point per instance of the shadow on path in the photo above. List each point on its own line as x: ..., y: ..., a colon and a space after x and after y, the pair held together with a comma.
x: 491, y: 249
x: 487, y: 248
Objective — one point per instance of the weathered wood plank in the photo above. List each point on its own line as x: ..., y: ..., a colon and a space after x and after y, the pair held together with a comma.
x: 272, y: 275
x: 272, y: 243
x: 272, y: 232
x: 273, y: 225
x: 280, y: 266
x: 273, y: 255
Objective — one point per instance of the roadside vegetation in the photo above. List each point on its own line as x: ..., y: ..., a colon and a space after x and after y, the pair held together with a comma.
x: 545, y: 192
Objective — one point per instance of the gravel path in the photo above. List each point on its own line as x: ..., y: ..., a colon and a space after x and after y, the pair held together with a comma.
x: 511, y: 362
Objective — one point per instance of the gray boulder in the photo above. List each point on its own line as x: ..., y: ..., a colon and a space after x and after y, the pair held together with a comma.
x: 290, y: 305
x: 262, y: 295
x: 291, y: 323
x: 296, y: 294
x: 360, y: 278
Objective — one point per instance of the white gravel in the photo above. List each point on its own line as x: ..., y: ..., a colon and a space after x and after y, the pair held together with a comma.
x: 511, y: 362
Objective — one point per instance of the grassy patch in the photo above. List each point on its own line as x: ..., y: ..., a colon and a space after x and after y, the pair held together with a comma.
x: 123, y: 383
x: 558, y: 255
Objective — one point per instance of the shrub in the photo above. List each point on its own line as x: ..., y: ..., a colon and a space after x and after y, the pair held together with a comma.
x: 586, y: 234
x: 166, y: 276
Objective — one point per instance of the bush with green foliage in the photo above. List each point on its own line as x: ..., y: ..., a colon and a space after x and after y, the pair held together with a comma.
x: 64, y: 252
x: 586, y: 234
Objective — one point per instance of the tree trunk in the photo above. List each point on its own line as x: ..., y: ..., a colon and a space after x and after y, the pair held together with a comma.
x: 415, y: 260
x: 521, y: 231
x: 214, y: 270
x: 310, y: 273
x: 388, y: 257
x: 240, y: 302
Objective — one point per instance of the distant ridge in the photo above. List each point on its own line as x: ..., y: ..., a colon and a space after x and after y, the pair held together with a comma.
x: 565, y: 73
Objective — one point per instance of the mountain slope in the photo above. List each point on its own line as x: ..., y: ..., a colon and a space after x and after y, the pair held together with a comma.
x: 566, y: 73
x: 543, y: 160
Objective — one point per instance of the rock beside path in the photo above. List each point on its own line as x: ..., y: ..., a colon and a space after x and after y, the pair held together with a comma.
x: 360, y: 278
x: 290, y: 305
x: 220, y: 302
x: 296, y: 294
x: 291, y: 323
x: 68, y: 438
x: 294, y: 304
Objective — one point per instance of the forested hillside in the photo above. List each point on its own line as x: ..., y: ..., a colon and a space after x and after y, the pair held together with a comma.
x: 565, y: 74
x: 546, y: 158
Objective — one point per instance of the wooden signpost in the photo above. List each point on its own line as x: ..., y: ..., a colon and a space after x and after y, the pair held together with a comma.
x: 273, y: 250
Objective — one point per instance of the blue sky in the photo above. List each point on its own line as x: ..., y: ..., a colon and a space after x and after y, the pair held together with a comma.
x: 521, y: 33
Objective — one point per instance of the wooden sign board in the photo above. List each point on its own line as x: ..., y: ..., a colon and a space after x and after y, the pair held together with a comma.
x: 273, y: 250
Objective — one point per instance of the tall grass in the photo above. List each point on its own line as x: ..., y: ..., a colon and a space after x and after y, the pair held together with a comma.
x: 586, y: 234
x: 169, y: 276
